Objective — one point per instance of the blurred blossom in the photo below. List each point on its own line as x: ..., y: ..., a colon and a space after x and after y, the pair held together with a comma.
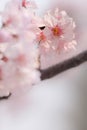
x: 24, y: 36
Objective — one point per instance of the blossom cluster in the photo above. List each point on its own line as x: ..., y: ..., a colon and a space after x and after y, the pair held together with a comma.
x: 24, y: 36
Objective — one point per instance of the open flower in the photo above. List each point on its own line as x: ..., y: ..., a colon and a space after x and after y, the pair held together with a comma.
x: 61, y: 30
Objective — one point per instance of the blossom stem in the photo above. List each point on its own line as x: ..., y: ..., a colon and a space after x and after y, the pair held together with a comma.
x: 63, y: 66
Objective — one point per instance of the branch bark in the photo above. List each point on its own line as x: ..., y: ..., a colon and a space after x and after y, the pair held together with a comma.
x: 59, y: 68
x: 63, y: 66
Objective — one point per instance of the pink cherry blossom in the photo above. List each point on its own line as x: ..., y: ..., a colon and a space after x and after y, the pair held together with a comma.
x: 59, y: 30
x: 18, y: 45
x: 22, y: 41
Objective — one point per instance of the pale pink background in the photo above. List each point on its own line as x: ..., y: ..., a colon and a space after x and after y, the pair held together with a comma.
x: 58, y: 103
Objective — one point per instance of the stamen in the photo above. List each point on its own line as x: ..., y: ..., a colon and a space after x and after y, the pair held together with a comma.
x: 42, y: 37
x: 57, y: 31
x: 24, y: 3
x: 5, y: 59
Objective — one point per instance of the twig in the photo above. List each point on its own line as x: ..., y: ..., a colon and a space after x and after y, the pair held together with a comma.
x: 63, y: 66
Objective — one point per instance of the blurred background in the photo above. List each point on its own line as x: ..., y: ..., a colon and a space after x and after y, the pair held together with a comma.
x: 61, y: 102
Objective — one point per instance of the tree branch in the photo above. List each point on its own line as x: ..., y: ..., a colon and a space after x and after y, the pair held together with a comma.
x: 63, y: 66
x: 59, y: 68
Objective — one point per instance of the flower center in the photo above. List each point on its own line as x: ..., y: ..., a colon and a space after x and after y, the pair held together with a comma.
x: 5, y: 59
x: 24, y: 3
x: 56, y: 31
x: 42, y: 37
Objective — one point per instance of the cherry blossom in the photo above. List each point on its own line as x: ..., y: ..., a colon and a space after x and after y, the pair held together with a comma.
x: 24, y: 36
x: 60, y: 30
x: 18, y: 47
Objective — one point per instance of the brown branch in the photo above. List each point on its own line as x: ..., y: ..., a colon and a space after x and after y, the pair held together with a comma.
x: 59, y: 68
x: 63, y: 66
